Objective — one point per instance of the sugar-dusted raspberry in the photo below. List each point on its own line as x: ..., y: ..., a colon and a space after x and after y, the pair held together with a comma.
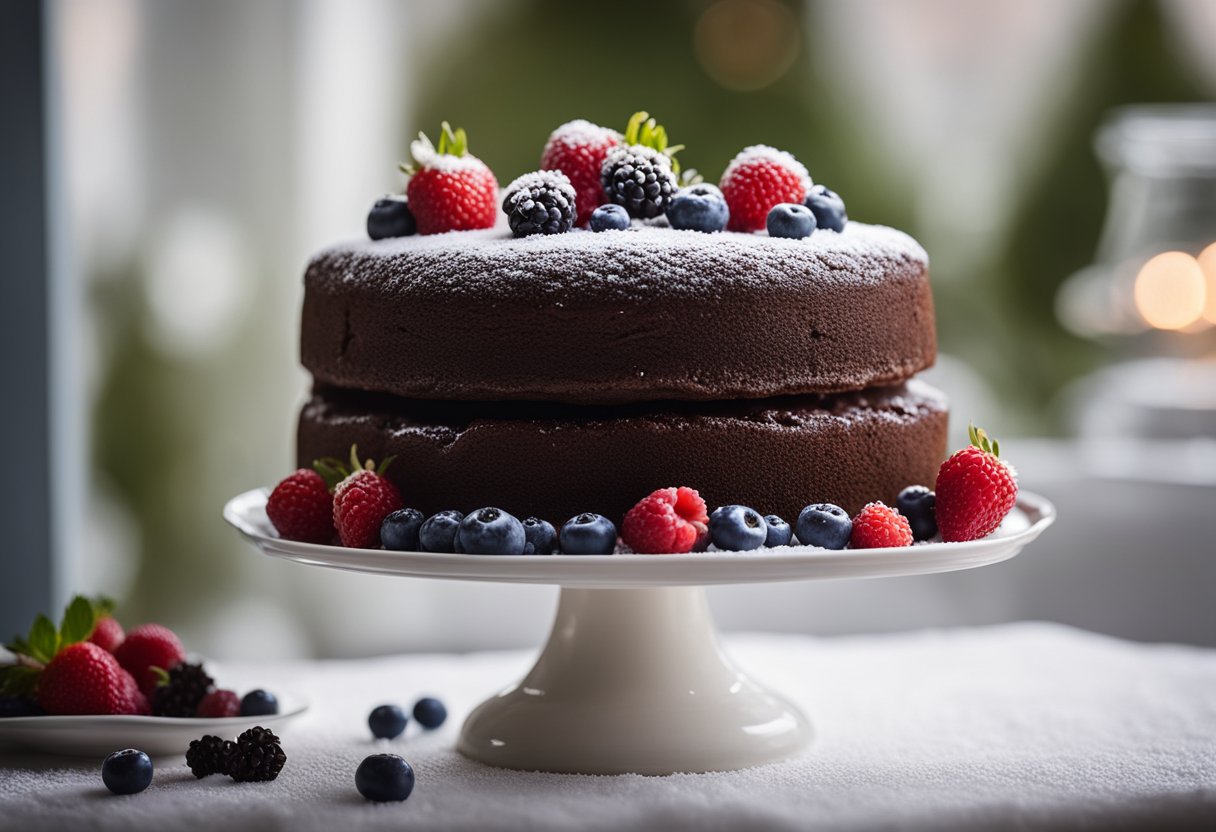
x: 670, y: 520
x: 878, y: 526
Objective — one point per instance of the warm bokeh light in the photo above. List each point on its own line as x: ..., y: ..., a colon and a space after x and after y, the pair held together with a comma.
x: 1170, y: 291
x: 1207, y: 262
x: 747, y: 44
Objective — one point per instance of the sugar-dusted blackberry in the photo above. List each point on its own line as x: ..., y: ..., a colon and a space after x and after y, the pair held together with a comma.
x: 209, y: 755
x: 540, y: 203
x: 257, y: 756
x: 182, y: 690
x: 640, y: 175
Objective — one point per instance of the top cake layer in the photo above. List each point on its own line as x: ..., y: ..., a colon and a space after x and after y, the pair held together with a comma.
x: 621, y: 316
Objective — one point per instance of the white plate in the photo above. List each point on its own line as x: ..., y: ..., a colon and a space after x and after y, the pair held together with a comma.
x: 97, y: 736
x: 247, y: 512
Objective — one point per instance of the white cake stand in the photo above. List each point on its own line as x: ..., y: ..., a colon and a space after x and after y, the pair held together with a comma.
x: 632, y: 678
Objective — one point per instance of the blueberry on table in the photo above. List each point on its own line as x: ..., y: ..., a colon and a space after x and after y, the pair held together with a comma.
x: 438, y: 533
x: 387, y: 721
x: 824, y: 525
x: 698, y: 208
x: 127, y: 772
x: 259, y: 703
x: 384, y: 778
x: 491, y: 531
x: 588, y: 534
x: 737, y: 528
x: 828, y: 208
x: 780, y: 532
x: 391, y: 217
x: 399, y: 531
x: 790, y: 220
x: 430, y: 712
x: 919, y: 505
x: 609, y: 218
x: 541, y: 536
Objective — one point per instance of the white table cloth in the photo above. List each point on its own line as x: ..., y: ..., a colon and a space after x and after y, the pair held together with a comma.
x: 1027, y: 726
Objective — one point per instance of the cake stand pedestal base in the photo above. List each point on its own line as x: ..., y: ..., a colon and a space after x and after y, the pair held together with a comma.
x: 633, y: 681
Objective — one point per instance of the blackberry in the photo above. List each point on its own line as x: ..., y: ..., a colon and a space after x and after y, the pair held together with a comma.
x: 257, y: 756
x: 209, y: 755
x: 640, y: 180
x: 540, y: 203
x: 182, y: 692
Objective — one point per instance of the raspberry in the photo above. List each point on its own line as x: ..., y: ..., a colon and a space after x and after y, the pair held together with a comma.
x: 668, y: 520
x: 220, y: 703
x: 975, y: 490
x: 450, y: 190
x: 577, y: 149
x: 84, y: 679
x: 107, y: 634
x: 361, y: 502
x: 756, y: 180
x: 301, y: 508
x: 146, y: 647
x: 878, y: 526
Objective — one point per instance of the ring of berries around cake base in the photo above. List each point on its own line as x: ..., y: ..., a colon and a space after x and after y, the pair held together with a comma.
x: 776, y: 455
x: 647, y: 314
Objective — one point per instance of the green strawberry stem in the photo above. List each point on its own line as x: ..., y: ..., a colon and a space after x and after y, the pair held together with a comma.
x: 45, y: 640
x: 451, y: 143
x: 981, y: 440
x: 645, y: 131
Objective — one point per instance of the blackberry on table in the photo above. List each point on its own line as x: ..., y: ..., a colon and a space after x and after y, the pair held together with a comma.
x: 209, y: 755
x: 180, y: 696
x: 257, y: 756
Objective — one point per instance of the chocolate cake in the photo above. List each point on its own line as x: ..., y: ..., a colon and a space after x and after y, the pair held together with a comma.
x: 551, y: 375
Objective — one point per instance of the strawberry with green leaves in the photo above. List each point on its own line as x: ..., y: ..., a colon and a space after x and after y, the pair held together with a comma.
x: 450, y: 189
x: 975, y: 490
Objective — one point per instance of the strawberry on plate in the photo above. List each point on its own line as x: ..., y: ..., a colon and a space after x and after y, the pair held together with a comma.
x: 450, y: 189
x: 146, y: 648
x: 577, y: 149
x: 757, y: 179
x: 975, y: 490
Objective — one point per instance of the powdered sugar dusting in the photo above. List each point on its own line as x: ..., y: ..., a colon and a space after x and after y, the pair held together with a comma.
x: 580, y: 133
x: 426, y: 156
x: 771, y: 155
x: 551, y: 179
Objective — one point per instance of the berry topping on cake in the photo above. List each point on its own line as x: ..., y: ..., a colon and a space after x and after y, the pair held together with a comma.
x: 540, y: 535
x: 588, y: 534
x: 391, y: 217
x: 878, y: 526
x: 301, y: 507
x: 362, y: 499
x: 828, y: 208
x: 609, y: 218
x: 491, y: 531
x: 698, y: 208
x: 399, y: 531
x: 824, y: 525
x: 438, y: 533
x: 219, y: 704
x: 577, y: 149
x: 429, y: 712
x: 790, y: 220
x: 917, y: 503
x: 449, y: 189
x: 737, y: 528
x: 758, y: 178
x: 779, y: 532
x: 640, y: 175
x: 540, y: 203
x: 975, y: 490
x: 147, y: 649
x: 670, y: 520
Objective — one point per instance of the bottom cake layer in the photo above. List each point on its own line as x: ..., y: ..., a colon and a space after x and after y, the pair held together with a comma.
x: 775, y: 455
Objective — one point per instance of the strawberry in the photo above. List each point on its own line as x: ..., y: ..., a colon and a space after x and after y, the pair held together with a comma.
x: 146, y: 647
x: 85, y: 679
x: 107, y: 634
x: 450, y: 189
x: 577, y: 149
x: 878, y: 526
x: 218, y: 704
x: 362, y: 500
x: 758, y: 178
x: 975, y: 490
x: 302, y: 508
x: 670, y: 520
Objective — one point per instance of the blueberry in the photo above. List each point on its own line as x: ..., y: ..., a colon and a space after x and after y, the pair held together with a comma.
x: 779, y: 531
x: 491, y: 531
x: 438, y: 533
x: 127, y: 771
x: 542, y: 537
x: 18, y: 706
x: 384, y: 777
x: 387, y: 721
x: 609, y: 218
x: 399, y: 531
x: 828, y: 208
x: 588, y: 534
x: 698, y: 208
x: 790, y: 220
x: 429, y: 712
x: 919, y: 505
x: 390, y: 217
x: 737, y: 528
x: 824, y: 525
x: 259, y: 703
